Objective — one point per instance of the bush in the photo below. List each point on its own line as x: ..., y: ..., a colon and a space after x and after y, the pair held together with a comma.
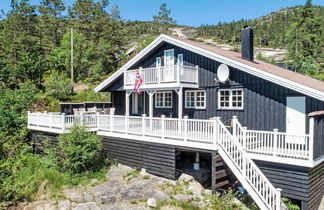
x: 58, y: 86
x: 81, y: 150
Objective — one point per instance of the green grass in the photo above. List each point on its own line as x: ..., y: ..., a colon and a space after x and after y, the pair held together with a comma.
x: 131, y: 175
x: 180, y: 204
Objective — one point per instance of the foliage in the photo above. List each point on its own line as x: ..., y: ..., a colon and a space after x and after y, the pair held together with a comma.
x: 163, y: 18
x: 289, y: 204
x: 13, y: 105
x: 27, y: 174
x: 81, y: 150
x: 58, y: 86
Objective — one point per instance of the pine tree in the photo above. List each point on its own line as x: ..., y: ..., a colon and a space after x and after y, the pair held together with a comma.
x: 163, y: 18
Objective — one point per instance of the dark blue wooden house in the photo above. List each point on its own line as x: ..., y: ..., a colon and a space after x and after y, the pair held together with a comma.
x: 264, y: 123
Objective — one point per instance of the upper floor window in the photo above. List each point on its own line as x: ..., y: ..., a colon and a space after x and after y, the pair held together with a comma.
x: 230, y: 99
x: 195, y: 99
x: 158, y: 61
x: 163, y: 99
x: 169, y: 57
x: 180, y: 59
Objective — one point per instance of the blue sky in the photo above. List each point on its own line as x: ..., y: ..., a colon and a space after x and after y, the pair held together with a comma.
x: 195, y: 12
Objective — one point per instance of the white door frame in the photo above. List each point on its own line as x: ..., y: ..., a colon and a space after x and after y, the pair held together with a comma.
x: 296, y: 114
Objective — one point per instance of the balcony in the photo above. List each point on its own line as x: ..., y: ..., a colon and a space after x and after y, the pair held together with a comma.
x: 173, y: 76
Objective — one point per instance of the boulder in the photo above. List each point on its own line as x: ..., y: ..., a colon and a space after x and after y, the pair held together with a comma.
x: 185, y: 178
x: 151, y: 202
x: 160, y: 196
x: 196, y: 188
x: 182, y: 197
x: 63, y: 204
x: 73, y: 195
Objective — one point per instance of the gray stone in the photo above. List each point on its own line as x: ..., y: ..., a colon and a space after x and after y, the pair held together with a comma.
x: 160, y: 196
x: 107, y: 199
x: 63, y: 204
x: 92, y: 206
x: 151, y: 202
x: 80, y: 206
x: 185, y: 178
x: 73, y: 195
x: 87, y: 197
x: 195, y: 188
x: 182, y: 197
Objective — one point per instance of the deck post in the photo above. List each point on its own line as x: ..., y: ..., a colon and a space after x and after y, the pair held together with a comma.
x: 162, y: 126
x: 311, y: 138
x: 180, y: 102
x: 151, y: 93
x: 50, y: 120
x: 197, y: 74
x: 127, y: 102
x: 244, y: 161
x: 215, y: 130
x: 185, y: 127
x: 213, y: 175
x: 126, y: 124
x: 278, y: 198
x: 178, y: 72
x: 63, y: 122
x: 28, y: 117
x: 143, y: 124
x: 111, y: 123
x: 275, y: 142
x: 244, y: 137
x: 82, y: 118
x: 234, y: 122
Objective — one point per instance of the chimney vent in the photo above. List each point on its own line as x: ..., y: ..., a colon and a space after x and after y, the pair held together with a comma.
x: 247, y: 43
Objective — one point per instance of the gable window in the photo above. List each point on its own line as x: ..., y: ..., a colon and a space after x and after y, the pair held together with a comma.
x: 158, y: 61
x: 180, y: 59
x: 230, y: 99
x: 163, y: 99
x: 195, y: 99
x: 169, y: 57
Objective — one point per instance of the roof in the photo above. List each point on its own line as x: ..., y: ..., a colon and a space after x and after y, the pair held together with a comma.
x: 316, y: 113
x: 293, y: 80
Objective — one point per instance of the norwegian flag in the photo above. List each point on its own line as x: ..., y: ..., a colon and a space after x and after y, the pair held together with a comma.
x: 138, y: 82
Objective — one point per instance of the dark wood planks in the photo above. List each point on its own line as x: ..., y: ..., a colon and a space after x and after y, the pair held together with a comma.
x: 41, y: 139
x: 157, y: 159
x: 316, y: 186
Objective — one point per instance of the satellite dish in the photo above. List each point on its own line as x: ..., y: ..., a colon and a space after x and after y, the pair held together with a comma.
x: 223, y: 73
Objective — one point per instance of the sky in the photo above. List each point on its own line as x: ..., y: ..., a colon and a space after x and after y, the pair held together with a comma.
x: 194, y: 12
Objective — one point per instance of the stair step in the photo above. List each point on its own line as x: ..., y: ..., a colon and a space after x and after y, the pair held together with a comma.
x: 220, y: 174
x: 222, y: 184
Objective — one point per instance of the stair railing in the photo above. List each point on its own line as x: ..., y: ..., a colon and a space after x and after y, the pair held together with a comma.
x: 267, y: 195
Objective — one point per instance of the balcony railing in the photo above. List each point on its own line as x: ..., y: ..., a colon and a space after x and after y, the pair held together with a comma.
x: 164, y: 74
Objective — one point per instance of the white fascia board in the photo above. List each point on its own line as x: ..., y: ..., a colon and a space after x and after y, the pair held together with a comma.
x: 241, y: 66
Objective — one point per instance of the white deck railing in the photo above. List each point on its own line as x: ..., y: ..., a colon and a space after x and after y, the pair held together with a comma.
x: 60, y: 123
x: 164, y: 74
x: 274, y: 143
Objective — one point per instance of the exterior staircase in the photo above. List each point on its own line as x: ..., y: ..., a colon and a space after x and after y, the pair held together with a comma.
x: 246, y: 171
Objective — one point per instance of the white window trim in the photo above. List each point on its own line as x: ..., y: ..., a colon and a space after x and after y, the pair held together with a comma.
x: 195, y: 98
x: 230, y: 99
x: 178, y: 58
x: 163, y: 99
x: 156, y: 62
x: 165, y: 51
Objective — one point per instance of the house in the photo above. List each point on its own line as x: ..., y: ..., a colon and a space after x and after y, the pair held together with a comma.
x: 203, y: 104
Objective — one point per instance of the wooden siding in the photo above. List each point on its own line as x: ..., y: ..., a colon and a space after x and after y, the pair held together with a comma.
x: 319, y: 137
x: 316, y: 186
x: 292, y: 180
x: 157, y: 159
x: 118, y: 100
x: 42, y: 139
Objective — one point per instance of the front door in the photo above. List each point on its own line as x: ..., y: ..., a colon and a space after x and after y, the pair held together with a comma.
x: 169, y: 66
x: 136, y: 103
x: 295, y: 115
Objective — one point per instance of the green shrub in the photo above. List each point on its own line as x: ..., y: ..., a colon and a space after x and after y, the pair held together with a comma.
x: 58, y: 86
x: 289, y: 204
x: 81, y: 150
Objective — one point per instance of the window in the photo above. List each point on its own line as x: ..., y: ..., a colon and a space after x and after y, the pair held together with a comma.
x: 169, y: 57
x: 195, y: 99
x: 230, y: 99
x: 158, y: 61
x: 180, y: 59
x: 163, y: 99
